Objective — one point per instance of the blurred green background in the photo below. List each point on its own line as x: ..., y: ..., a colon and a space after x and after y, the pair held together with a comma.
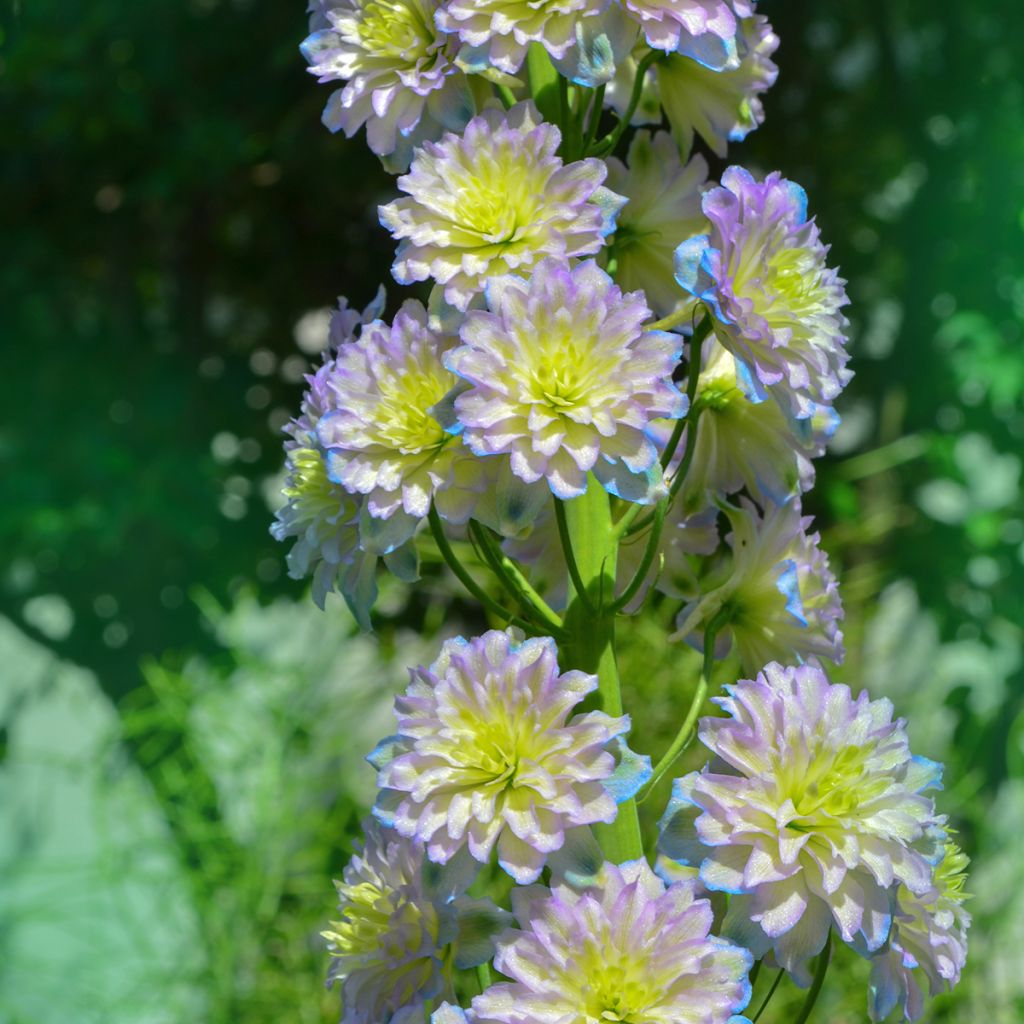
x: 180, y: 776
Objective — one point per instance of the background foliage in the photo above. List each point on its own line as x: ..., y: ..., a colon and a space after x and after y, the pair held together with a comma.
x: 180, y: 729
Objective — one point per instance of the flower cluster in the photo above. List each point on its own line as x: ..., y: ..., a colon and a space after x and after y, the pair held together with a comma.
x: 613, y: 395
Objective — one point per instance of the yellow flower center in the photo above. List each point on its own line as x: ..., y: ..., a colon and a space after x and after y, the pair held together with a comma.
x: 827, y: 785
x: 790, y: 280
x: 379, y: 923
x: 616, y: 986
x: 401, y: 420
x: 491, y: 751
x: 309, y: 487
x: 397, y: 28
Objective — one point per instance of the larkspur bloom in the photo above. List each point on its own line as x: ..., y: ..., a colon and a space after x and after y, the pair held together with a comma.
x: 563, y: 378
x: 322, y: 517
x: 721, y: 106
x: 703, y: 29
x: 664, y: 207
x: 627, y: 949
x: 929, y: 937
x: 493, y: 200
x: 504, y: 29
x: 402, y: 82
x: 379, y: 427
x: 775, y: 304
x: 486, y: 754
x: 817, y: 812
x: 777, y: 600
x: 399, y: 914
x: 745, y: 443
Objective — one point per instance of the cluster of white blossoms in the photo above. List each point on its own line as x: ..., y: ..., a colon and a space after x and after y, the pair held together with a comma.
x: 608, y: 396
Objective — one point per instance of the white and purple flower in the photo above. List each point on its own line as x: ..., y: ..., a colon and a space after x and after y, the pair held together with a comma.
x: 379, y: 429
x: 777, y: 599
x: 721, y: 105
x: 929, y: 938
x: 744, y: 443
x: 628, y: 948
x: 402, y: 82
x: 401, y: 921
x: 502, y: 30
x: 664, y: 208
x: 776, y: 305
x: 494, y: 200
x: 564, y: 379
x: 702, y: 29
x: 487, y: 755
x: 813, y: 811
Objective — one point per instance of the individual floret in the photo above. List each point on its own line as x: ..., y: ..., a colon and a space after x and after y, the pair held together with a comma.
x: 488, y: 756
x: 494, y: 200
x: 664, y: 208
x: 401, y: 921
x: 564, y: 379
x: 703, y: 29
x: 402, y: 82
x: 504, y: 29
x: 720, y: 105
x: 929, y: 938
x: 628, y: 948
x: 813, y: 811
x: 777, y: 600
x: 379, y: 427
x: 745, y: 443
x: 776, y: 305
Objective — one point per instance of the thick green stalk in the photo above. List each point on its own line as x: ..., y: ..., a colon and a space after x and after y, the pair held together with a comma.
x: 590, y: 623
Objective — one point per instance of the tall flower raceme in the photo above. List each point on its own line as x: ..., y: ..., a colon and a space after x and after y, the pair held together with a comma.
x: 608, y: 408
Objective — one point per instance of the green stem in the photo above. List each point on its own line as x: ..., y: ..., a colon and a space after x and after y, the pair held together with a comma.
x: 591, y: 628
x: 565, y: 536
x: 506, y: 95
x: 817, y: 983
x: 625, y: 524
x: 514, y: 581
x: 767, y: 998
x: 483, y: 976
x: 689, y: 422
x: 670, y: 321
x: 596, y: 109
x: 650, y: 553
x: 611, y: 140
x: 464, y: 577
x: 689, y: 726
x: 564, y: 115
